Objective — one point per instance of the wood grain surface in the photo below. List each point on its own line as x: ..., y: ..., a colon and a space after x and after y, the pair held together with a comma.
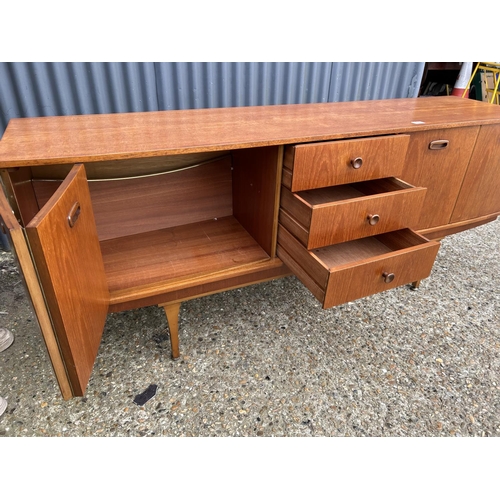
x: 440, y: 171
x: 126, y: 207
x: 134, y: 167
x: 19, y: 248
x: 159, y: 259
x: 345, y: 218
x: 200, y: 286
x: 330, y: 163
x: 256, y: 184
x: 354, y: 269
x: 366, y: 278
x: 480, y: 192
x: 71, y: 271
x: 439, y: 232
x: 84, y: 138
x: 17, y: 182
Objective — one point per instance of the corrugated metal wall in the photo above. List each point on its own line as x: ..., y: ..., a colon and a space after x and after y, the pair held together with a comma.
x: 47, y: 89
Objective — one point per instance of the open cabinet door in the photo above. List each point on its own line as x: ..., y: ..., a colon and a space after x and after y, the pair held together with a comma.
x: 67, y: 254
x: 19, y: 247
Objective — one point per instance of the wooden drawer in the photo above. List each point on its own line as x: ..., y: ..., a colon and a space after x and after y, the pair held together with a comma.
x: 340, y: 273
x: 330, y: 215
x: 311, y: 166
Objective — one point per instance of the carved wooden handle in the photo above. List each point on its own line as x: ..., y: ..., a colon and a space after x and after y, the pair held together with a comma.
x: 74, y: 213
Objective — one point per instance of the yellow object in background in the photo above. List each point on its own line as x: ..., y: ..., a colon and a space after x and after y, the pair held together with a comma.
x: 490, y: 79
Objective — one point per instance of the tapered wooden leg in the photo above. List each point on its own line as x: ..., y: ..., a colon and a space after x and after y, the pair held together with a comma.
x: 172, y: 312
x: 415, y: 284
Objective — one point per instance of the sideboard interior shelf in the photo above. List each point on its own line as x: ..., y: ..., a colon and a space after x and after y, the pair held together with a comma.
x: 163, y: 258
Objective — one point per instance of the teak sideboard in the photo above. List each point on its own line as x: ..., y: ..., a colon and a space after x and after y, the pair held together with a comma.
x: 111, y: 212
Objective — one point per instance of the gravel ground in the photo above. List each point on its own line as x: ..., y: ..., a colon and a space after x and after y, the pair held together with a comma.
x: 266, y: 360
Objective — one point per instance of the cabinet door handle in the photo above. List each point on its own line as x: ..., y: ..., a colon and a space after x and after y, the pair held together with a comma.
x: 357, y: 162
x: 441, y: 144
x: 74, y: 213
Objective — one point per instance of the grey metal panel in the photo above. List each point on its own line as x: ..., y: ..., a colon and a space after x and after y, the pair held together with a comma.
x: 367, y: 81
x: 49, y: 89
x: 203, y: 85
x: 46, y: 89
x: 209, y: 85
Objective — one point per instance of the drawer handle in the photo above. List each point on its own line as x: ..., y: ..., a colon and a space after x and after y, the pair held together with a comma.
x: 441, y: 144
x: 73, y: 214
x: 357, y: 162
x: 388, y: 277
x: 373, y: 219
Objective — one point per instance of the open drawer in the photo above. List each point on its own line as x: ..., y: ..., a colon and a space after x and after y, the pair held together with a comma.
x: 330, y: 215
x: 347, y: 271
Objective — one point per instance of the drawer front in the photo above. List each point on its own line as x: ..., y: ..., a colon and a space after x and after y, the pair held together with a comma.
x: 310, y: 166
x: 317, y: 222
x: 348, y: 271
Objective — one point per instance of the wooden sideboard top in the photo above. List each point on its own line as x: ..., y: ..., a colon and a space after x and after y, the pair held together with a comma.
x: 89, y: 138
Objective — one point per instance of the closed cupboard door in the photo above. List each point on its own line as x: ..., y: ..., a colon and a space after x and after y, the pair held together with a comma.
x: 66, y: 251
x: 437, y: 160
x: 480, y: 193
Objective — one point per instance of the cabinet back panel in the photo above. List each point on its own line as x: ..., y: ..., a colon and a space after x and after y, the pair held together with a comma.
x: 127, y: 207
x: 115, y: 169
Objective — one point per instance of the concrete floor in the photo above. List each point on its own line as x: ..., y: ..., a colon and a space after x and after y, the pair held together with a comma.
x: 266, y: 360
